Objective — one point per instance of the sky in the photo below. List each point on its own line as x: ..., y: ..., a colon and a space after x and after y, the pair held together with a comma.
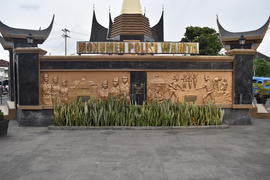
x: 234, y: 15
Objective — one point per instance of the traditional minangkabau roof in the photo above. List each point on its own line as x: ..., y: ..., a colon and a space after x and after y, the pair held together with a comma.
x: 262, y: 56
x: 3, y: 63
x: 7, y: 45
x: 130, y: 24
x: 98, y: 32
x: 109, y: 33
x: 39, y: 36
x: 158, y: 30
x: 253, y: 37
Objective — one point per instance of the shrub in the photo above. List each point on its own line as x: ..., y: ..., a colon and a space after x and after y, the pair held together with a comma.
x: 1, y: 115
x: 116, y: 112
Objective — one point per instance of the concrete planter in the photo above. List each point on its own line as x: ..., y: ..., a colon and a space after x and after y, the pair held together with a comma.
x: 134, y: 127
x: 3, y: 127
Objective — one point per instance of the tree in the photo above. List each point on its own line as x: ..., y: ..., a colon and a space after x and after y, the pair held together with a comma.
x: 207, y: 37
x: 262, y: 67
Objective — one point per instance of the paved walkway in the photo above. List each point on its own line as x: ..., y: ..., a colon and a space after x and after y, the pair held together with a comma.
x: 237, y: 153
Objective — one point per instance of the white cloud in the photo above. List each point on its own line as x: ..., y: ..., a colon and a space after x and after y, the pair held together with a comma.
x: 29, y: 7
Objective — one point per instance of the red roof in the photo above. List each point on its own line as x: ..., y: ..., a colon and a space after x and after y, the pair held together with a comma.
x: 3, y: 63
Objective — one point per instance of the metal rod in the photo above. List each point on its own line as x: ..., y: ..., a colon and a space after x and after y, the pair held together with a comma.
x: 65, y: 36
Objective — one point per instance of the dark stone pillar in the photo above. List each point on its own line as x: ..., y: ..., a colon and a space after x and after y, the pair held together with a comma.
x: 11, y: 76
x: 27, y: 99
x: 243, y: 72
x: 138, y: 87
x: 27, y: 71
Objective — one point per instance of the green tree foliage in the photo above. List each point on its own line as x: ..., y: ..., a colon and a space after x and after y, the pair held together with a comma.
x: 262, y: 67
x: 207, y: 37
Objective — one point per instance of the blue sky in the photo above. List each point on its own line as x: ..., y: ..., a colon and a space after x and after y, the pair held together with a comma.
x: 235, y: 15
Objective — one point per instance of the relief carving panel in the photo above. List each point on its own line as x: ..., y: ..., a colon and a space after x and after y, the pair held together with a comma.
x: 65, y: 87
x: 199, y: 87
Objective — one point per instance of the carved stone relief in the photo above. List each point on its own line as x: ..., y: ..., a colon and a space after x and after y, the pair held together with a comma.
x: 199, y: 87
x: 64, y: 87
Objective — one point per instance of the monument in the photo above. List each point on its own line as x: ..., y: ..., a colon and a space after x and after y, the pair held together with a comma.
x: 131, y: 60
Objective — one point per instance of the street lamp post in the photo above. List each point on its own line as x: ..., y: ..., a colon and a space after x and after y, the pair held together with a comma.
x: 30, y: 39
x: 242, y: 41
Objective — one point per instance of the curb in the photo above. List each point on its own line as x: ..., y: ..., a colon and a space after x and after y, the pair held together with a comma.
x: 134, y: 128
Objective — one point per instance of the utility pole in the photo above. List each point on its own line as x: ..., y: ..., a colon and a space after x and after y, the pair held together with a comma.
x: 65, y: 35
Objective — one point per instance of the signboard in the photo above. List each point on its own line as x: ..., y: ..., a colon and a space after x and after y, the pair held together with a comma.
x: 137, y: 48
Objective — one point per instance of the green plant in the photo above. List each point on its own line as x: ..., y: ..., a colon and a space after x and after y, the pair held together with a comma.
x: 207, y: 37
x: 1, y: 115
x: 117, y: 112
x: 262, y: 67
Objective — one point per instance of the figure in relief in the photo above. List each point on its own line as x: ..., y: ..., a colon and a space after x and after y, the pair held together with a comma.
x: 174, y: 86
x: 46, y: 90
x: 64, y: 92
x: 124, y: 88
x: 115, y: 90
x: 189, y: 80
x: 224, y: 86
x: 208, y: 97
x: 157, y: 95
x: 55, y: 90
x: 194, y: 80
x: 224, y: 90
x: 216, y: 83
x: 104, y: 91
x: 184, y: 79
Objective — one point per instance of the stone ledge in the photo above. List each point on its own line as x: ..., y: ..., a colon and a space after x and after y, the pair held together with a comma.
x: 134, y: 128
x: 241, y: 52
x: 30, y: 50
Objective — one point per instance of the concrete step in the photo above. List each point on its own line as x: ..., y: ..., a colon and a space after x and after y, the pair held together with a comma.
x: 261, y: 111
x: 4, y: 109
x: 12, y: 112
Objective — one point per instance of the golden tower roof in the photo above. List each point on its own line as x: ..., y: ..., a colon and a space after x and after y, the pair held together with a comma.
x: 131, y: 7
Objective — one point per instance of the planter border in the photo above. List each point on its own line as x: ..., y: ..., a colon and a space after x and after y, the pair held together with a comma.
x: 224, y: 126
x: 4, y: 127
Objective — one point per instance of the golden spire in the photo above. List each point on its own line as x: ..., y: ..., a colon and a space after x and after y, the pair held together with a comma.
x: 131, y: 7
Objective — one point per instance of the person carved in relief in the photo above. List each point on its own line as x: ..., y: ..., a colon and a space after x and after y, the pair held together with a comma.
x: 157, y: 95
x: 174, y: 86
x: 224, y: 86
x: 184, y: 79
x: 208, y: 97
x: 224, y: 90
x: 64, y: 92
x: 115, y: 90
x: 189, y: 80
x: 104, y: 91
x: 46, y: 91
x: 55, y: 90
x: 124, y: 88
x: 194, y: 80
x: 216, y: 83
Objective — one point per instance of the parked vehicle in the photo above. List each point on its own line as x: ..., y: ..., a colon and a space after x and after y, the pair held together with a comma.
x: 261, y: 89
x: 4, y: 88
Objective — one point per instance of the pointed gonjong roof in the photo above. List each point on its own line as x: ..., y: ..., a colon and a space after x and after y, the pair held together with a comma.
x: 158, y: 29
x: 39, y: 36
x: 6, y: 44
x: 98, y: 32
x: 254, y: 38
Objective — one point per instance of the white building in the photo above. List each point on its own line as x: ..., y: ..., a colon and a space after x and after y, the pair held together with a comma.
x: 3, y: 70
